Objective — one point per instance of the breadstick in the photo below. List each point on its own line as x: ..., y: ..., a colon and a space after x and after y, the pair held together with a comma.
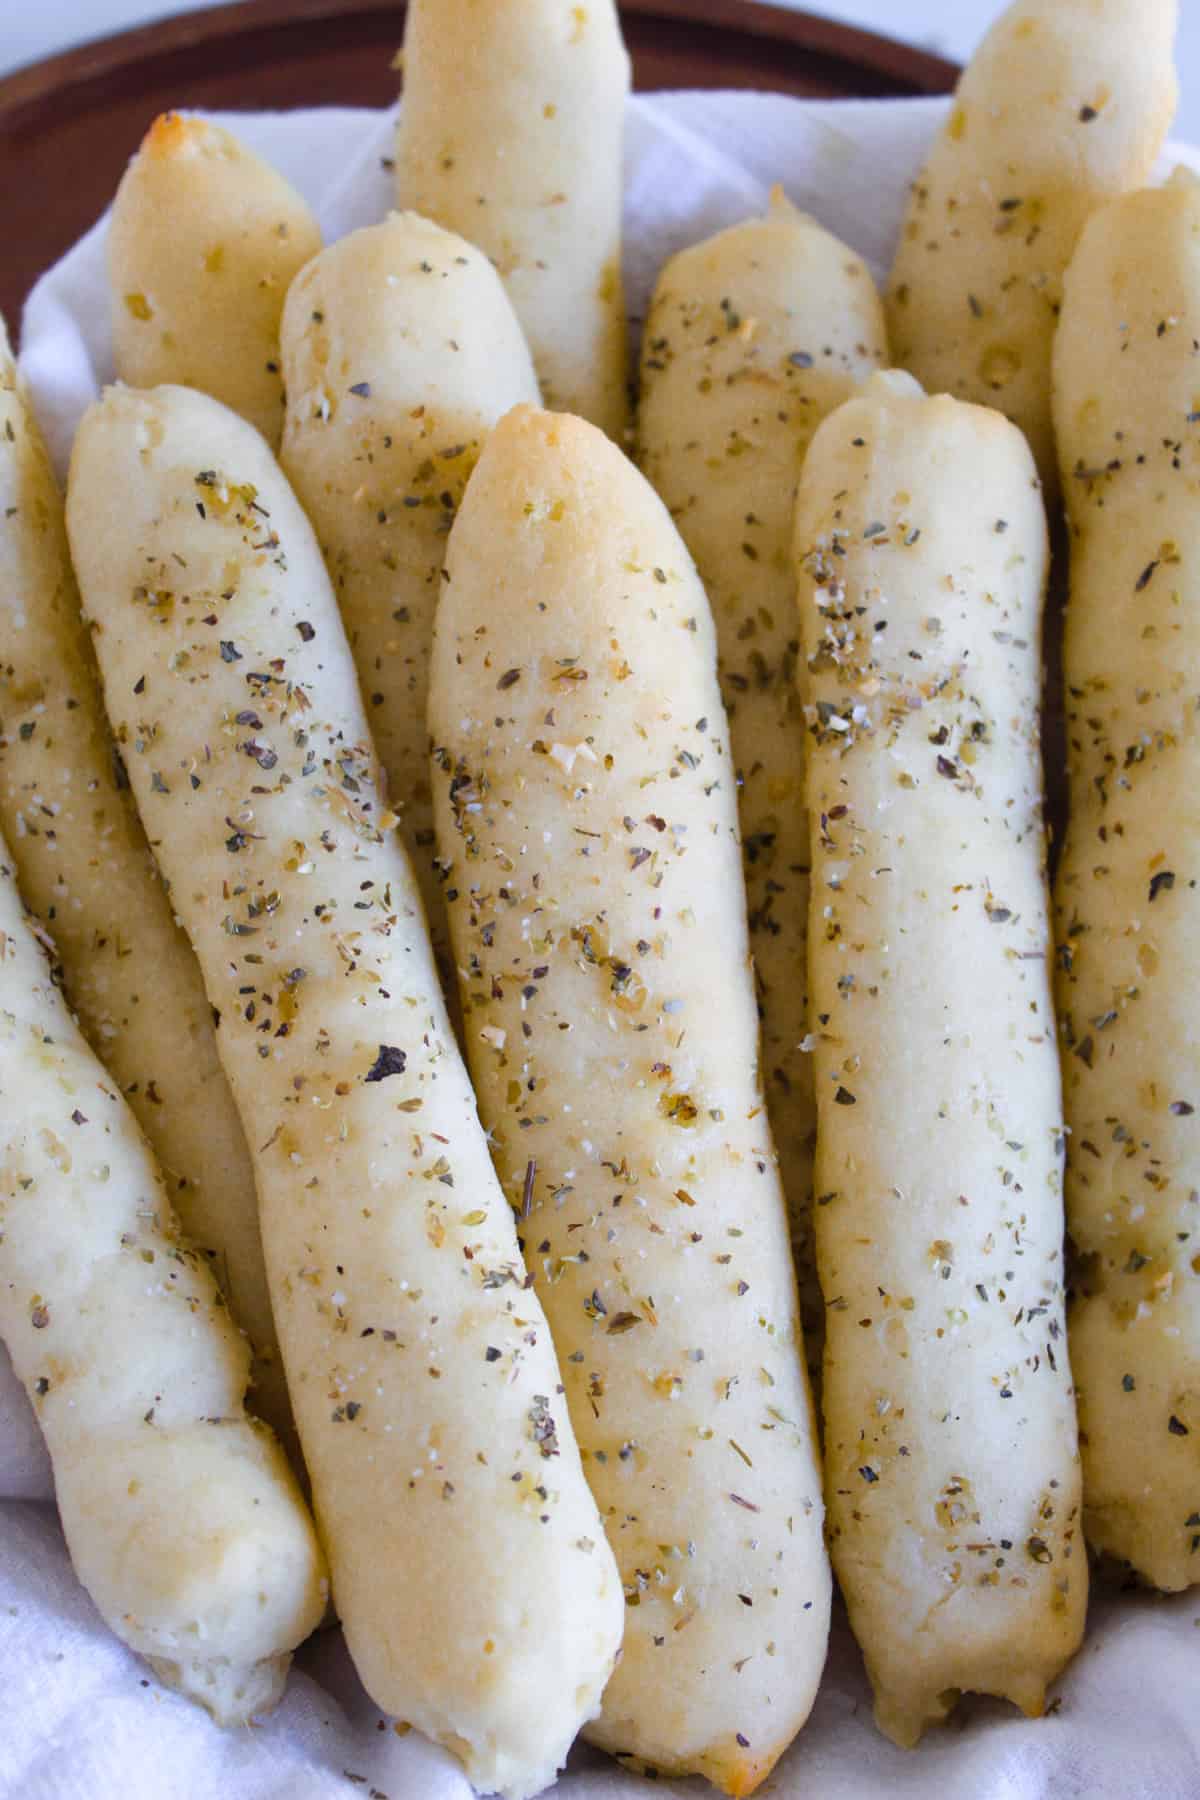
x: 587, y: 816
x: 1065, y: 104
x: 952, y: 1472
x: 752, y: 337
x: 400, y: 352
x: 1125, y: 406
x: 204, y: 241
x: 510, y: 132
x: 183, y: 1519
x: 88, y: 875
x: 479, y: 1599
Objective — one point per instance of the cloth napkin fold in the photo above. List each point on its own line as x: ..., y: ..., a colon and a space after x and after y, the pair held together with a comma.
x: 80, y: 1716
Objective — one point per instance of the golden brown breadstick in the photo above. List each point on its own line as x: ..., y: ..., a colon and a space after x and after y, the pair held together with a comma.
x: 204, y: 240
x: 587, y: 819
x: 752, y: 338
x: 1126, y: 407
x: 88, y: 875
x: 478, y: 1596
x: 1065, y: 104
x: 183, y: 1519
x: 952, y: 1473
x: 400, y: 352
x: 510, y: 132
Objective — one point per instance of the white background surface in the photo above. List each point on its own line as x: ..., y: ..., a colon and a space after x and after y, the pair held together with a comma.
x: 33, y: 28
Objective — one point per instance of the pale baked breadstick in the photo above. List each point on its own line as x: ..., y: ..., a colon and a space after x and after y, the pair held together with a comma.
x: 510, y: 132
x: 478, y: 1596
x: 1126, y: 405
x: 183, y: 1519
x: 752, y: 338
x: 587, y: 818
x: 1065, y: 104
x: 952, y: 1471
x: 205, y: 238
x: 87, y: 873
x: 400, y: 352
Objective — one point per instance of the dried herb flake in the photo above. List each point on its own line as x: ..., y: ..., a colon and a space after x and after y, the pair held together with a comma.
x: 390, y: 1061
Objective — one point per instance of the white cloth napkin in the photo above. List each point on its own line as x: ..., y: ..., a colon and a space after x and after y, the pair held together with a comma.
x: 79, y: 1715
